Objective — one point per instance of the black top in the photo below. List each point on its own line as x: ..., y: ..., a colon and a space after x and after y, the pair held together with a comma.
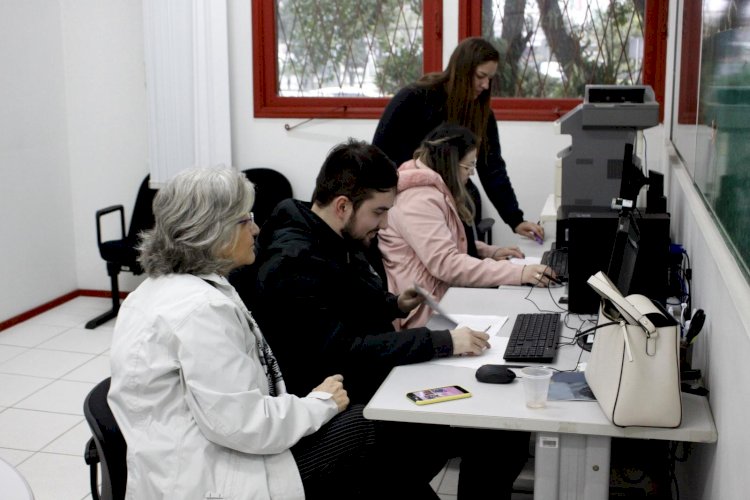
x: 413, y: 113
x: 324, y: 310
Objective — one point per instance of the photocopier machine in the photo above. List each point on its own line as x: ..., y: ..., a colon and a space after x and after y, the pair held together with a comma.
x: 595, y: 169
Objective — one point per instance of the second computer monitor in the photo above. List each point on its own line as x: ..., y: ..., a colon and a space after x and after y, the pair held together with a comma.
x: 624, y: 253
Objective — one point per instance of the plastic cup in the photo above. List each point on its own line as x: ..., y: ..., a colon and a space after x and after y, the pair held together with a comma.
x: 535, y: 382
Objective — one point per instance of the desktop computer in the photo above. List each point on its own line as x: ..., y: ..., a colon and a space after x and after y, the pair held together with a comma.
x: 589, y: 235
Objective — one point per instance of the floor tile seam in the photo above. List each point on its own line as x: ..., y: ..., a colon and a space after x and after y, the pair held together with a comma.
x: 97, y: 353
x: 30, y: 376
x: 51, y: 381
x: 33, y: 452
x: 62, y: 377
x: 50, y: 411
x: 26, y: 349
x: 59, y: 436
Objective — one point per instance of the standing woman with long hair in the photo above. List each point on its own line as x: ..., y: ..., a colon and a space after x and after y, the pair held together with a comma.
x: 429, y: 238
x: 458, y: 95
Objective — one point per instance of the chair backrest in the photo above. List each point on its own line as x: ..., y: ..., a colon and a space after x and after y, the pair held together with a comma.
x: 110, y: 443
x: 482, y: 225
x: 271, y: 186
x: 143, y: 211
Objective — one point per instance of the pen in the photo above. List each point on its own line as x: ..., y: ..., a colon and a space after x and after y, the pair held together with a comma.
x: 536, y: 236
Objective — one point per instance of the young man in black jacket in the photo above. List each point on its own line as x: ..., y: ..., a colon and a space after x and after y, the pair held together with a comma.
x: 322, y: 307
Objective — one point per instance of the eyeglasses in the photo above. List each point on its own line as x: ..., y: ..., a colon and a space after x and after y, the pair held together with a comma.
x: 250, y: 218
x: 470, y: 166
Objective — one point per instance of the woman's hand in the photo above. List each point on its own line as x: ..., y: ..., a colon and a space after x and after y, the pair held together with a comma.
x: 334, y: 385
x: 538, y: 275
x: 468, y: 341
x: 531, y: 231
x: 503, y: 253
x: 409, y: 299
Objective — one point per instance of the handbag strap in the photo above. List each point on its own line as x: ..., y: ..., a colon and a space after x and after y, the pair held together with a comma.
x: 604, y: 287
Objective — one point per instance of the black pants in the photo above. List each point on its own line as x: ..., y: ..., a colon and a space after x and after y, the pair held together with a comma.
x: 355, y: 458
x: 490, y: 459
x: 336, y: 462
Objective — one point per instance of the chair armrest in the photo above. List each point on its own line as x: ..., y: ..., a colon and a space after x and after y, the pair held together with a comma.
x: 105, y: 211
x: 484, y: 227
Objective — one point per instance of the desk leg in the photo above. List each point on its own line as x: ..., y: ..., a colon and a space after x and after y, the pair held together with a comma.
x: 571, y: 467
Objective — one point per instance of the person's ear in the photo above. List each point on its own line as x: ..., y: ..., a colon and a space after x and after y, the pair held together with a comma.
x: 342, y: 206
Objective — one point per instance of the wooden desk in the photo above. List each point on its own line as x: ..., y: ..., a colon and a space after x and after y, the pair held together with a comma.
x: 572, y: 437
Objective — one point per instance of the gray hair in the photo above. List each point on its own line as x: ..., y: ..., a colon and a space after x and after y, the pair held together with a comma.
x: 196, y: 215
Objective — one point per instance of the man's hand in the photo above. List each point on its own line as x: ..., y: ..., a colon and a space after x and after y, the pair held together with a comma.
x: 468, y: 341
x: 409, y: 299
x: 334, y: 386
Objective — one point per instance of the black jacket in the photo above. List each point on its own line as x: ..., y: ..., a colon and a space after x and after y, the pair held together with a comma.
x: 413, y: 113
x: 324, y: 310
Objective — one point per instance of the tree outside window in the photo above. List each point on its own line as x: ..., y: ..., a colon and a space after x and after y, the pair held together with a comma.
x: 345, y: 58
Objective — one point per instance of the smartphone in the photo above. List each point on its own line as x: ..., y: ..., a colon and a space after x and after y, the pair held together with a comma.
x: 438, y: 394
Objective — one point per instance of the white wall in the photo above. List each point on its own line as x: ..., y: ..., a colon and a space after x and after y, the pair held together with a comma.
x: 722, y: 349
x: 37, y: 251
x: 106, y: 102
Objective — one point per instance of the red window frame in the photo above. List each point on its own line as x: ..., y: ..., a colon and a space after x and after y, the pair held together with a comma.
x: 538, y: 109
x: 267, y: 102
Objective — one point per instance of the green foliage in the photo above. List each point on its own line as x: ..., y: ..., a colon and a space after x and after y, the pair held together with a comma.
x: 602, y: 53
x: 382, y: 37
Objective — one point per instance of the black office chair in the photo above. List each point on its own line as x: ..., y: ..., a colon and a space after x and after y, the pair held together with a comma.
x: 271, y: 187
x: 482, y: 225
x: 107, y: 448
x: 121, y: 254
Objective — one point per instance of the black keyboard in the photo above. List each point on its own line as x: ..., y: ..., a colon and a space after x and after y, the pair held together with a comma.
x: 534, y: 338
x: 558, y: 261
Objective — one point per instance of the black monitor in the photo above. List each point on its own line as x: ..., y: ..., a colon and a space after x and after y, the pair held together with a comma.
x: 623, y: 257
x: 633, y: 179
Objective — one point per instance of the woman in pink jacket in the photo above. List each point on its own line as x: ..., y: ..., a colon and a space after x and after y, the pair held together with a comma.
x: 429, y: 239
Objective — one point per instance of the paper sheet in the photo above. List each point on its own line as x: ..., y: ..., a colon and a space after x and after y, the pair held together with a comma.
x: 493, y: 355
x: 526, y: 261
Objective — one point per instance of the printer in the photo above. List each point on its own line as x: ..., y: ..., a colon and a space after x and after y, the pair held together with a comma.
x: 594, y: 170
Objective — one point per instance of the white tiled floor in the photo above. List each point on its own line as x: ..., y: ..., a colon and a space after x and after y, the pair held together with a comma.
x: 47, y: 366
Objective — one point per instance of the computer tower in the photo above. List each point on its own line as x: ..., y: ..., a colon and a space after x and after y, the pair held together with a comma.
x: 589, y: 235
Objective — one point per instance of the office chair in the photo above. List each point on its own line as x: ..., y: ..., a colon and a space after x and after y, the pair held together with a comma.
x: 271, y: 187
x: 482, y: 225
x: 121, y: 254
x: 107, y: 447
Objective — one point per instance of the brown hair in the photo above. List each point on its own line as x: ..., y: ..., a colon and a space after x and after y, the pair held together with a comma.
x: 442, y: 151
x: 458, y: 82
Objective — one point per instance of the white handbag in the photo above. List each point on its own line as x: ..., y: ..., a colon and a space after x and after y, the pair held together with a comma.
x: 634, y: 368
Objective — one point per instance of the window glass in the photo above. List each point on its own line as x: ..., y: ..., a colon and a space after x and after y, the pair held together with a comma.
x: 711, y: 130
x: 340, y: 48
x: 552, y: 49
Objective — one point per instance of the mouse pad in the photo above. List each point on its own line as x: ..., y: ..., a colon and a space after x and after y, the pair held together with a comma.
x: 569, y: 386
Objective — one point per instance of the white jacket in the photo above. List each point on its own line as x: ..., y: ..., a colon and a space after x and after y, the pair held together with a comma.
x: 191, y: 397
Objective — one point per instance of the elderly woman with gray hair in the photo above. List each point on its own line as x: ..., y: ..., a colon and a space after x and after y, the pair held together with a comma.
x: 195, y: 388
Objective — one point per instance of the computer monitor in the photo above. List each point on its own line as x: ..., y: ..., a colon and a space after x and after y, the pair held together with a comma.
x: 632, y: 180
x: 624, y: 253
